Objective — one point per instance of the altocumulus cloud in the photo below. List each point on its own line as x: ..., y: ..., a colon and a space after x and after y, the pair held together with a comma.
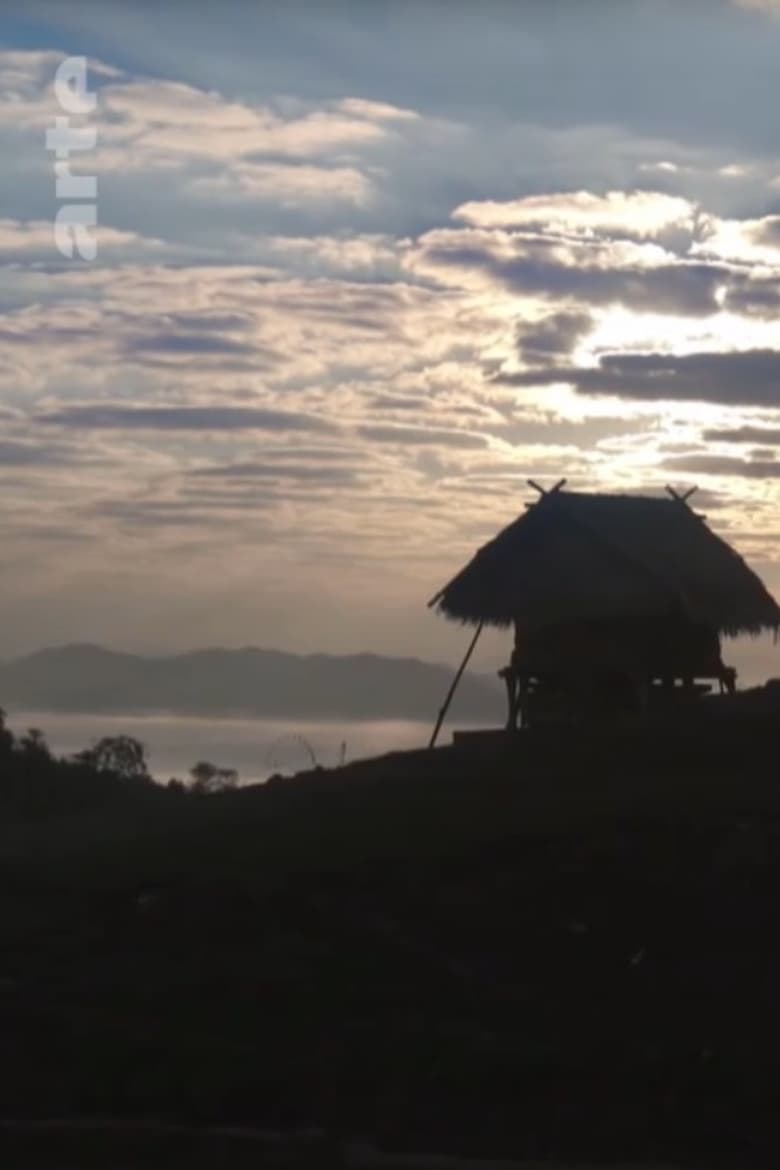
x: 332, y: 296
x: 744, y: 435
x: 421, y: 436
x: 749, y: 378
x: 183, y: 418
x: 30, y: 454
x: 724, y: 465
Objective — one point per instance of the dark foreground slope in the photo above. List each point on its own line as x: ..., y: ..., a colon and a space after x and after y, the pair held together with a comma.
x: 568, y: 949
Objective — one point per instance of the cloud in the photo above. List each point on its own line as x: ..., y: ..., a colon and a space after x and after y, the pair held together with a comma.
x: 289, y: 185
x: 643, y: 278
x: 523, y: 431
x: 724, y: 465
x: 745, y: 240
x: 421, y: 436
x: 208, y: 321
x: 185, y: 343
x: 18, y: 455
x: 755, y: 295
x: 155, y: 515
x: 302, y: 472
x: 376, y: 111
x: 27, y: 241
x: 746, y: 434
x: 771, y: 7
x: 284, y: 453
x: 633, y: 215
x: 98, y: 416
x: 398, y: 402
x: 767, y: 231
x: 749, y: 378
x: 179, y: 122
x: 315, y: 270
x: 592, y: 70
x: 553, y: 336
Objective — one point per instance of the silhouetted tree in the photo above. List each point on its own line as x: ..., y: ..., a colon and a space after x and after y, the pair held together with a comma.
x: 120, y: 754
x: 6, y: 736
x: 34, y: 744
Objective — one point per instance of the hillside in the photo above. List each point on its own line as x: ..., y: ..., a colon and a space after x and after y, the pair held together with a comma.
x: 560, y: 948
x: 270, y: 683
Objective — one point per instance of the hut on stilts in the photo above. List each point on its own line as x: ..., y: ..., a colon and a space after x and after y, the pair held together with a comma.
x: 618, y: 604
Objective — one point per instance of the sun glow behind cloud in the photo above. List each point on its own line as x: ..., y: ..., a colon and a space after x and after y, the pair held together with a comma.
x: 622, y: 329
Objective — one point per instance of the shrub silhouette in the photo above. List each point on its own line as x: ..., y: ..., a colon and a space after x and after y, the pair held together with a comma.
x: 208, y: 778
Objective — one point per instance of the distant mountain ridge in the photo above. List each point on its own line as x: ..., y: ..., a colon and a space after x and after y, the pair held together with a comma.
x: 86, y: 678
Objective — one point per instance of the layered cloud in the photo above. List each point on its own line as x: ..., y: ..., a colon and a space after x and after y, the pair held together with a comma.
x: 631, y: 215
x: 326, y: 332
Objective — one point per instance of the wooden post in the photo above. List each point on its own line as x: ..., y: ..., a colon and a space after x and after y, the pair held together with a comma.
x: 455, y: 681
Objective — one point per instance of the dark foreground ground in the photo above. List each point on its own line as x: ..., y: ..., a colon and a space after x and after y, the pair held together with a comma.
x: 565, y: 950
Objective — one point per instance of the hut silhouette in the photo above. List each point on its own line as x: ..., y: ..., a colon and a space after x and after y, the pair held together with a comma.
x: 617, y: 603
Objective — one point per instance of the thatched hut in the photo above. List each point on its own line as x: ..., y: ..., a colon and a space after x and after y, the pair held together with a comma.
x: 614, y: 600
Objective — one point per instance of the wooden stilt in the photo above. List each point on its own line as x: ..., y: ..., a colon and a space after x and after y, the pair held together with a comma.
x: 510, y: 682
x: 453, y: 688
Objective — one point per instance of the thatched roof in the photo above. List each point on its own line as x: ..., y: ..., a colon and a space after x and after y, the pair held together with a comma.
x: 579, y: 556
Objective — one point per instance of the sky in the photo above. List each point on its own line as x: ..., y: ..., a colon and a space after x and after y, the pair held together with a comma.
x: 363, y: 270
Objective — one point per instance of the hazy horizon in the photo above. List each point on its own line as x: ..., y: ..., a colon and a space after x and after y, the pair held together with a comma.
x: 756, y: 659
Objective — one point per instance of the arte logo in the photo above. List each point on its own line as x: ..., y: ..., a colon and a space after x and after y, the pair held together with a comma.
x: 76, y: 221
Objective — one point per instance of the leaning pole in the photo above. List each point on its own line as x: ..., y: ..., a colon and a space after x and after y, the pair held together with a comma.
x: 453, y: 688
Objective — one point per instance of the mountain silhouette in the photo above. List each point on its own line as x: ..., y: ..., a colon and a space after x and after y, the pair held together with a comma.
x: 250, y: 681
